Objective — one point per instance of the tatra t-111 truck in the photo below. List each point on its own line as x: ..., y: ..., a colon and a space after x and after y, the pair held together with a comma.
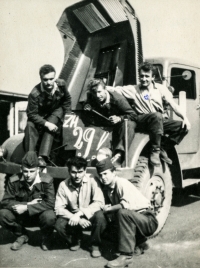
x: 102, y: 39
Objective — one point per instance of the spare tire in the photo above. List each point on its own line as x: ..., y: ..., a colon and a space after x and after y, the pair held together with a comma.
x: 156, y: 184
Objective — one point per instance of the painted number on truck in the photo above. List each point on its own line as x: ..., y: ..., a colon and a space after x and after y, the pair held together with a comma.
x: 84, y: 136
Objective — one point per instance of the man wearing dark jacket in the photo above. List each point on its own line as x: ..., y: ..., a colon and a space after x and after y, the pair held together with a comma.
x: 116, y: 108
x: 48, y: 102
x: 28, y: 201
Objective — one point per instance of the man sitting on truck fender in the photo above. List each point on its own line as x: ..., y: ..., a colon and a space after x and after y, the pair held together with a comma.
x: 116, y: 108
x: 77, y: 199
x: 29, y: 201
x: 126, y: 208
x: 48, y: 102
x: 147, y: 99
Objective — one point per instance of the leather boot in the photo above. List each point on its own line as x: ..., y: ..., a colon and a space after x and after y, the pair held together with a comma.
x: 164, y: 156
x: 121, y: 262
x: 19, y: 242
x: 155, y: 157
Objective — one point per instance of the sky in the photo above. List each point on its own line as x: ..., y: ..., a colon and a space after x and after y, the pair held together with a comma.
x: 29, y: 36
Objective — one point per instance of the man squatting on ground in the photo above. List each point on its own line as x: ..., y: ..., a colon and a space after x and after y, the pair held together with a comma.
x: 116, y: 108
x: 28, y: 201
x: 146, y: 99
x: 131, y: 211
x: 48, y: 102
x: 78, y: 198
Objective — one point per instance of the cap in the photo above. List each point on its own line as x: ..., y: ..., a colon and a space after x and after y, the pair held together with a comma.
x: 30, y: 160
x: 104, y: 165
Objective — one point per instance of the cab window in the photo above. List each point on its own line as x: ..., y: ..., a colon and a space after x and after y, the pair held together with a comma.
x: 180, y: 84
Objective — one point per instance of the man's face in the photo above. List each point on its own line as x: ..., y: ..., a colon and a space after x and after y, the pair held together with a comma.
x: 29, y: 174
x: 146, y: 78
x: 77, y: 174
x: 47, y: 81
x: 107, y: 177
x: 100, y: 94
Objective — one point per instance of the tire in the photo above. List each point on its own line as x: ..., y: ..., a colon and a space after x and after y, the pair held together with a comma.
x: 156, y: 184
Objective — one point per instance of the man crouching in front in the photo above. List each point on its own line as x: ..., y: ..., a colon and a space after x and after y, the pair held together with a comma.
x: 131, y: 211
x: 77, y: 199
x: 29, y: 201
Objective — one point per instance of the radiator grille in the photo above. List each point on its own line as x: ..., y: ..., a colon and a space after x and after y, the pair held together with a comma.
x: 114, y: 9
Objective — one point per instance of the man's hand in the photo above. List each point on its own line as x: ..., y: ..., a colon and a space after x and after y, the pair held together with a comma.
x: 19, y: 209
x: 51, y: 127
x: 74, y: 220
x: 105, y: 208
x: 84, y: 223
x: 115, y: 119
x: 186, y: 124
x: 35, y: 201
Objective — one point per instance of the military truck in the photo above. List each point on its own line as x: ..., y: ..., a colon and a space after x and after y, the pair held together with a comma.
x: 102, y: 39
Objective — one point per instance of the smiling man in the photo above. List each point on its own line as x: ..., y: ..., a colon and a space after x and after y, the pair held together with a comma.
x: 48, y: 102
x: 77, y: 199
x: 29, y: 201
x: 147, y: 99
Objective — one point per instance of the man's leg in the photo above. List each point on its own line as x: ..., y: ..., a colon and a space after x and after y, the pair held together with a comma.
x: 46, y: 221
x: 31, y: 137
x: 71, y: 234
x: 152, y: 123
x: 12, y: 222
x: 129, y: 223
x: 174, y: 129
x: 99, y: 224
x: 118, y: 139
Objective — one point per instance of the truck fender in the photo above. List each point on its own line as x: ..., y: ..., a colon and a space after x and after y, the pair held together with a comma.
x: 139, y: 142
x: 14, y: 148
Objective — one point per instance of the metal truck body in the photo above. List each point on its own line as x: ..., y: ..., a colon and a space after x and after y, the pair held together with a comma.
x: 102, y: 39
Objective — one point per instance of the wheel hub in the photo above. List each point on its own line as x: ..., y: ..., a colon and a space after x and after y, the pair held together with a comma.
x: 155, y: 192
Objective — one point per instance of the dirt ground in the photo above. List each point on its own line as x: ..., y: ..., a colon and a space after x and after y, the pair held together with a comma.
x: 178, y: 245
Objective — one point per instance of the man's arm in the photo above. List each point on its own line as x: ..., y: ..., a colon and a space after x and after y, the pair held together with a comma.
x: 66, y: 104
x: 97, y: 199
x: 61, y: 203
x: 9, y: 198
x: 33, y: 110
x: 176, y: 108
x: 47, y: 198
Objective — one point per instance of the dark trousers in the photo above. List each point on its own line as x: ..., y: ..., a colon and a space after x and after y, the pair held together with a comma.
x: 65, y: 230
x: 155, y: 126
x: 118, y: 138
x: 16, y: 223
x: 132, y: 228
x: 35, y: 135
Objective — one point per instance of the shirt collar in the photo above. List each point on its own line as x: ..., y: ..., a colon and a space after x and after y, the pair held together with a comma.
x: 55, y: 88
x: 37, y: 180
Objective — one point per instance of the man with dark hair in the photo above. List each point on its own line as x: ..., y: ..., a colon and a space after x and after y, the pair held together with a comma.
x: 29, y: 201
x: 116, y: 108
x: 77, y: 199
x: 147, y: 101
x: 48, y: 102
x: 127, y: 209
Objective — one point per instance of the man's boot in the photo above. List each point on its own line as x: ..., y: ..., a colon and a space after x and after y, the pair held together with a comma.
x: 19, y: 242
x: 155, y: 157
x: 121, y: 262
x: 164, y: 156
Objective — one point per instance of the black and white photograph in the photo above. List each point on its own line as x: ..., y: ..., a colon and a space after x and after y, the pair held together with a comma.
x: 100, y: 133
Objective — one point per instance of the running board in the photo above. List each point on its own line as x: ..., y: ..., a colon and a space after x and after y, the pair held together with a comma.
x: 188, y: 182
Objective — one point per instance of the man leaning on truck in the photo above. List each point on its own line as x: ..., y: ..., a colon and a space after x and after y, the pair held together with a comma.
x: 147, y: 99
x: 47, y: 104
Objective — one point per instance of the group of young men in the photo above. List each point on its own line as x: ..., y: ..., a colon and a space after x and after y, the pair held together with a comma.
x: 82, y: 200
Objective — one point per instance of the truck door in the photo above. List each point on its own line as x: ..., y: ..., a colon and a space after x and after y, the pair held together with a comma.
x: 190, y: 143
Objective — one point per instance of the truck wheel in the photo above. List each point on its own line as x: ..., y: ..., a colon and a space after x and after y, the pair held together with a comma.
x: 156, y: 184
